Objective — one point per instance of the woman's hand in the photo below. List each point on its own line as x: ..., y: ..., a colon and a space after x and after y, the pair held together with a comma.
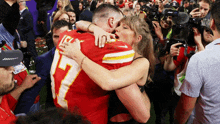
x: 71, y: 50
x: 101, y: 36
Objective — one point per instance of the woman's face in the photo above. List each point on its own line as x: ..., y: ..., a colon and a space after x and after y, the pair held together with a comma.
x: 65, y: 17
x: 59, y: 3
x: 137, y: 7
x: 80, y: 6
x: 124, y: 33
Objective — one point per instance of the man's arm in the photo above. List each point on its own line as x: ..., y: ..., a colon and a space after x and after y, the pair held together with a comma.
x: 198, y: 40
x: 137, y: 104
x: 29, y: 23
x: 28, y: 82
x: 168, y: 63
x: 184, y: 108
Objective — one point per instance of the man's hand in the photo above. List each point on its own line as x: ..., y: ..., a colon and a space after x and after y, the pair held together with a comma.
x: 23, y: 44
x: 195, y: 13
x: 197, y: 36
x: 198, y: 40
x: 29, y: 81
x: 101, y: 36
x: 174, y: 50
x: 157, y: 29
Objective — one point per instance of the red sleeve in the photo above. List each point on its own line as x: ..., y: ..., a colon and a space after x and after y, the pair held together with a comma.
x: 181, y: 58
x: 121, y: 5
x: 20, y: 77
x: 179, y: 1
x: 12, y: 102
x: 130, y: 5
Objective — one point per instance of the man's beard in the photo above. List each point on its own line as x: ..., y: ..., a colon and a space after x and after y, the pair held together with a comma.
x: 4, y: 90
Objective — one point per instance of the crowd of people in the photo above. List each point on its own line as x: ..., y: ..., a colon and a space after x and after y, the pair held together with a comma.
x: 108, y: 61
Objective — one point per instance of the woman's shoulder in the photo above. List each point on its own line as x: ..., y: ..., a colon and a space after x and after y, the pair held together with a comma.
x: 141, y: 60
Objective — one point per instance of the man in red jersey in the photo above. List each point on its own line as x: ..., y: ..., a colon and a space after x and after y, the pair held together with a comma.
x: 71, y: 87
x: 9, y: 92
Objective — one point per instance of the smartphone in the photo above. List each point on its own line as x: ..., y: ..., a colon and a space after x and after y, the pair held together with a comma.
x: 196, y: 6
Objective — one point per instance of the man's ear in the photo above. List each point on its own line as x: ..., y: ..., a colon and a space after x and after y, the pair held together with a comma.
x: 111, y: 21
x: 212, y: 24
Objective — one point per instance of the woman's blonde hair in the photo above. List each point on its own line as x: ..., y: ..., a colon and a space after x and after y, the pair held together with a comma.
x: 66, y: 3
x: 145, y: 46
x: 58, y: 14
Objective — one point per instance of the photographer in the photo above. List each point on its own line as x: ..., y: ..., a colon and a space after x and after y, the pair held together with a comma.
x: 183, y: 54
x: 160, y: 90
x: 203, y: 10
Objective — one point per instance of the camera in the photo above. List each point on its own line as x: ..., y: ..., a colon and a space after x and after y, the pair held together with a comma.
x: 170, y: 12
x: 182, y: 31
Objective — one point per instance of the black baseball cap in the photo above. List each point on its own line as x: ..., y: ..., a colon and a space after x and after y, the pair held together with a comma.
x: 10, y: 57
x: 175, y: 4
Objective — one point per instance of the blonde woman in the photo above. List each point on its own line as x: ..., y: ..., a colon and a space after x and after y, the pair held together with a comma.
x: 61, y: 4
x: 61, y: 15
x: 138, y: 72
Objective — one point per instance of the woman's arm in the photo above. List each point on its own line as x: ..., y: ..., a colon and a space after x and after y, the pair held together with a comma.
x: 137, y: 103
x: 107, y: 80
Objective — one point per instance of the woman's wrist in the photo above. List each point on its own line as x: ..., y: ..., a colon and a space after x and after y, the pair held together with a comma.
x: 82, y: 61
x: 89, y: 26
x: 79, y: 58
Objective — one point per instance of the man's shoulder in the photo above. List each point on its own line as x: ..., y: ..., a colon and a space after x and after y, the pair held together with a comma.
x: 45, y: 56
x: 76, y: 34
x: 113, y: 52
x: 112, y: 46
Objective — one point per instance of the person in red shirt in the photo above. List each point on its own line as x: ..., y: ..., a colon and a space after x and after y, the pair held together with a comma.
x: 9, y: 92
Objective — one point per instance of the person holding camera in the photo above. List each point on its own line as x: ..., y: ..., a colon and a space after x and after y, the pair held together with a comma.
x: 203, y: 9
x: 200, y: 89
x: 160, y: 91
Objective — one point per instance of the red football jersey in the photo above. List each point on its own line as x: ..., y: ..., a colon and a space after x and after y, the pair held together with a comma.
x: 6, y: 107
x: 73, y: 89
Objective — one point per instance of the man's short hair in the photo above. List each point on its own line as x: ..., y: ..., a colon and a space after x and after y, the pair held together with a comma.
x: 215, y: 14
x: 59, y: 24
x: 104, y: 11
x: 68, y: 9
x: 206, y: 1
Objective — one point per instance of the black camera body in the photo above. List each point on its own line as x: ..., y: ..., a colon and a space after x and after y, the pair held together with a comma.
x: 182, y: 31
